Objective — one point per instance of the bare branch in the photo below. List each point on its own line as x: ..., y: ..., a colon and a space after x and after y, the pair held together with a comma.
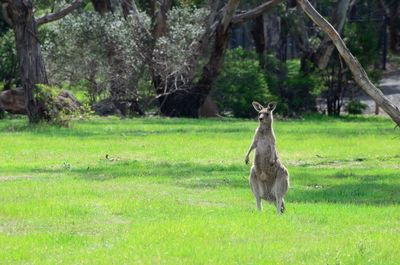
x: 255, y: 12
x: 4, y: 5
x: 359, y: 74
x: 326, y: 47
x: 229, y: 10
x: 60, y: 14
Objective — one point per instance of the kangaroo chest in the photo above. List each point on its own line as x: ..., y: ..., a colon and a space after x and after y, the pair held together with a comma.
x: 265, y: 146
x: 265, y: 155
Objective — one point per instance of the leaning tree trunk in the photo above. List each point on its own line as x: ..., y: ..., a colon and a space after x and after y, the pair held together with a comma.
x: 359, y: 74
x: 29, y: 55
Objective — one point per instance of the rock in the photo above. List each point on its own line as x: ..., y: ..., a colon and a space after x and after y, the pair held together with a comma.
x: 117, y: 107
x: 67, y: 101
x: 105, y: 108
x: 13, y: 101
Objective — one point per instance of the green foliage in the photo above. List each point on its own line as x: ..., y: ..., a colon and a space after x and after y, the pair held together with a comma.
x: 362, y: 41
x: 47, y: 96
x: 355, y: 107
x: 240, y: 82
x: 294, y: 90
x: 4, y: 27
x: 57, y: 115
x: 175, y: 191
x: 8, y: 59
x: 301, y: 89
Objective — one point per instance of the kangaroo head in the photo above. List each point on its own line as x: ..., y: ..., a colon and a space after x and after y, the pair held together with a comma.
x: 265, y: 113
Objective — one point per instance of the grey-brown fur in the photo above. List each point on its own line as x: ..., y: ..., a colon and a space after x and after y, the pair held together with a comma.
x: 269, y: 179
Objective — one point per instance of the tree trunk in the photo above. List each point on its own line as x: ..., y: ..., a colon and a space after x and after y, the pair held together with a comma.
x: 186, y: 102
x: 259, y: 41
x: 102, y: 6
x: 393, y: 28
x: 326, y: 47
x: 359, y: 74
x: 29, y: 55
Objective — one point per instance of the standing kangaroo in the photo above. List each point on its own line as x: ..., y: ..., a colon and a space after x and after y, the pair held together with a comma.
x: 269, y: 179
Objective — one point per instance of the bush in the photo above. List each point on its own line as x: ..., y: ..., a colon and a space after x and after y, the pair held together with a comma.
x: 9, y: 73
x: 57, y: 112
x: 355, y: 107
x: 294, y: 90
x: 240, y: 83
x: 301, y: 89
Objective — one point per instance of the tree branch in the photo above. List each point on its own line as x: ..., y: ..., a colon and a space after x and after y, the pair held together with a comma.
x: 326, y: 47
x: 359, y: 74
x: 255, y: 12
x: 228, y: 13
x: 60, y: 14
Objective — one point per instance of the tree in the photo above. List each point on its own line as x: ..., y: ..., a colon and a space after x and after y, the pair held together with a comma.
x: 20, y: 16
x: 121, y: 88
x: 326, y: 47
x: 358, y: 72
x: 392, y: 12
x: 184, y: 96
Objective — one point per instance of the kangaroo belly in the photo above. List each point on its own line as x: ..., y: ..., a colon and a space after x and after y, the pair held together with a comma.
x: 262, y: 161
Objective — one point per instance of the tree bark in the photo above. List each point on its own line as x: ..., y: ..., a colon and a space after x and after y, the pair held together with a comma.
x: 359, y: 74
x: 102, y: 6
x: 259, y: 41
x: 29, y: 55
x: 255, y: 12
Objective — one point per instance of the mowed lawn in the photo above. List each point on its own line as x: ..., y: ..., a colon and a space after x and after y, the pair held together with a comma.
x: 175, y: 191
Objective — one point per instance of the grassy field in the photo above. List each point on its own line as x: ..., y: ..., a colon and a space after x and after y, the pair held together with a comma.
x: 175, y: 191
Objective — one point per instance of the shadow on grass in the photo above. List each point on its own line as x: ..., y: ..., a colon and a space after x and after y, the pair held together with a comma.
x: 334, y: 186
x: 104, y: 130
x: 353, y: 193
x: 187, y: 175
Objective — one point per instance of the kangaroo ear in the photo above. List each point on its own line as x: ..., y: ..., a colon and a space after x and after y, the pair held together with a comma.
x: 272, y: 106
x: 257, y: 106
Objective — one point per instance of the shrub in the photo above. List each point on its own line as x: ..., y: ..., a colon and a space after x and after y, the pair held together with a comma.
x: 241, y: 81
x: 8, y: 60
x: 57, y: 112
x: 294, y: 90
x: 301, y: 89
x: 355, y: 107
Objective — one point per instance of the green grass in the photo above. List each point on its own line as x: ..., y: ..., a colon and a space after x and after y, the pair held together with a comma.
x: 175, y: 191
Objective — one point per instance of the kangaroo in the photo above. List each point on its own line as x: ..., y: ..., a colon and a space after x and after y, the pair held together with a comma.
x: 269, y: 179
